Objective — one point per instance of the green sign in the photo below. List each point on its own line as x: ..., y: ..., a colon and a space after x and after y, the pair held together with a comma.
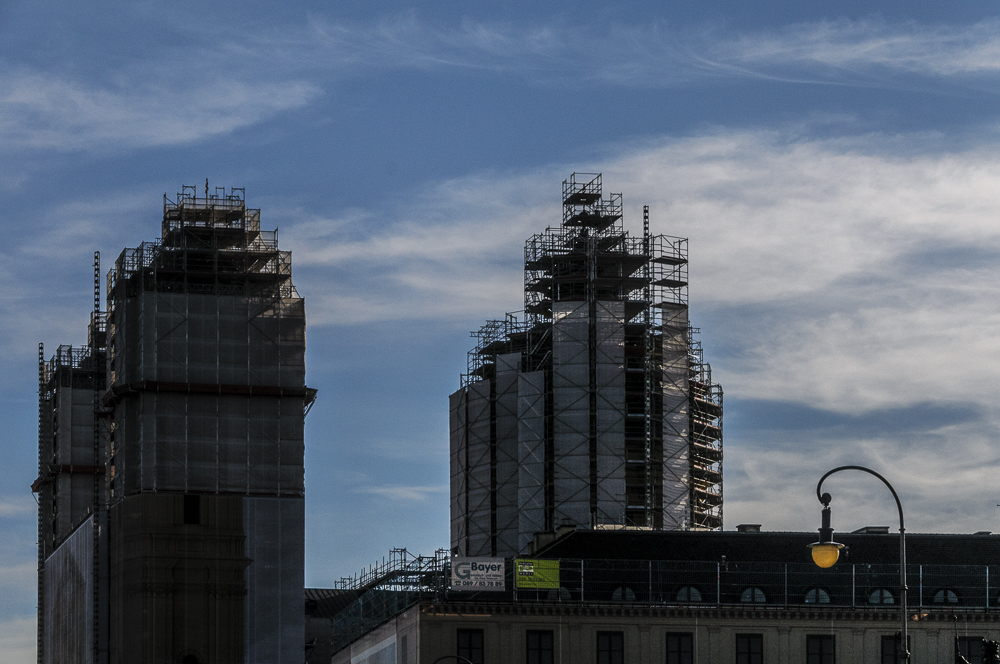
x: 536, y: 573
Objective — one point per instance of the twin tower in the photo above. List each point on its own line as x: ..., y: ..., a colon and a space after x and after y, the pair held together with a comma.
x: 594, y: 407
x: 170, y: 468
x: 170, y: 486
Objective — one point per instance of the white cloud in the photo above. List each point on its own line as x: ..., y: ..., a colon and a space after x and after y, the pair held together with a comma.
x: 452, y: 252
x: 410, y: 493
x: 17, y: 640
x: 942, y: 50
x: 943, y: 483
x: 842, y: 248
x: 16, y: 507
x: 43, y: 110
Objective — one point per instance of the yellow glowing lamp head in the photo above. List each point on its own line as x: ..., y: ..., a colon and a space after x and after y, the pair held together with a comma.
x: 826, y: 554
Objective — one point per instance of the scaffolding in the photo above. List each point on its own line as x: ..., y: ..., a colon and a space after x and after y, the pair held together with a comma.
x: 597, y: 391
x: 186, y: 407
x: 400, y: 570
x: 386, y: 589
x: 706, y: 440
x: 70, y: 487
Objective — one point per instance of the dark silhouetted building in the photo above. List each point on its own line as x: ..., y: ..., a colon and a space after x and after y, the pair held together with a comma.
x: 171, y: 498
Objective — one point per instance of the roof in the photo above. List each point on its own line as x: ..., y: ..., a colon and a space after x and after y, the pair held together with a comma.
x: 921, y: 548
x: 327, y: 602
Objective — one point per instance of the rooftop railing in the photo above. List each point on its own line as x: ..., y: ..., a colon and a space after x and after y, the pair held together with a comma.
x: 702, y: 584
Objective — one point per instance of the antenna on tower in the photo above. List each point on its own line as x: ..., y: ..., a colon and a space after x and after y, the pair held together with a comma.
x: 97, y: 281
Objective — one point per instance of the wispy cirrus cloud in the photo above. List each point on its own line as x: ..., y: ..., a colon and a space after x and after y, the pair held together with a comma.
x: 182, y: 96
x: 448, y: 251
x: 408, y: 493
x: 657, y: 55
x: 52, y: 305
x: 44, y: 110
x: 938, y: 50
x: 16, y: 507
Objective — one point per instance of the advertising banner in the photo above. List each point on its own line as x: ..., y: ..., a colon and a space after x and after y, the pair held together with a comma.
x: 477, y: 574
x: 536, y: 573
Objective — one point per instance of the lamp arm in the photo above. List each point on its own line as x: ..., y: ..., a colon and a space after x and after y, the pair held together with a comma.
x: 899, y: 505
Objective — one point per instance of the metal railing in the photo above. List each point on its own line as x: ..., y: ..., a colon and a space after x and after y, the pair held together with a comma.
x: 389, y: 588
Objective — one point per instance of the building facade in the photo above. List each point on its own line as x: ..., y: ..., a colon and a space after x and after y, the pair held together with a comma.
x: 171, y: 511
x: 625, y: 597
x: 594, y: 407
x: 560, y: 634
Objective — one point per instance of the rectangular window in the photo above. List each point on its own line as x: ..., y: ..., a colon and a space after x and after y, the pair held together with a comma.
x: 610, y: 648
x: 889, y: 643
x: 749, y: 649
x: 404, y: 653
x: 680, y: 649
x: 539, y: 647
x: 470, y: 645
x: 971, y: 648
x: 192, y: 509
x: 820, y: 649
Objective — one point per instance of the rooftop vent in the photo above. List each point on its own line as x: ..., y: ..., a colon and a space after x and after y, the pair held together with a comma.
x: 748, y: 528
x: 871, y: 530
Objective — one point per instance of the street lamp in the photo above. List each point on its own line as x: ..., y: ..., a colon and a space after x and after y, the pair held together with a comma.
x: 825, y: 552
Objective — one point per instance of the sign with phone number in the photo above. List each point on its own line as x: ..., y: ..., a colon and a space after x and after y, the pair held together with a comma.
x: 477, y: 574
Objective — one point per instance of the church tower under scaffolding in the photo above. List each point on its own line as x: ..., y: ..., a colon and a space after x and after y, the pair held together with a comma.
x: 594, y: 407
x: 170, y: 471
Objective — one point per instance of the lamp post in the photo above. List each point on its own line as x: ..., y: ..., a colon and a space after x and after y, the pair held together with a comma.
x: 825, y: 552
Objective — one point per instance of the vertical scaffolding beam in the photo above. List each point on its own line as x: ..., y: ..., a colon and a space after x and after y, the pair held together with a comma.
x: 95, y: 368
x: 592, y: 369
x: 647, y: 366
x: 40, y: 617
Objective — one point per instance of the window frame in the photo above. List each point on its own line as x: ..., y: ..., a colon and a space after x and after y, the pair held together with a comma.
x: 883, y: 593
x: 192, y: 509
x: 821, y: 657
x: 821, y: 596
x: 683, y: 652
x: 688, y: 591
x: 971, y: 648
x: 890, y: 657
x: 539, y: 654
x: 469, y: 650
x: 745, y: 650
x: 607, y: 655
x: 945, y: 594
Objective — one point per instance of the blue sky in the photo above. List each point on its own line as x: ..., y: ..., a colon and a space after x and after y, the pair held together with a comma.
x: 834, y: 164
